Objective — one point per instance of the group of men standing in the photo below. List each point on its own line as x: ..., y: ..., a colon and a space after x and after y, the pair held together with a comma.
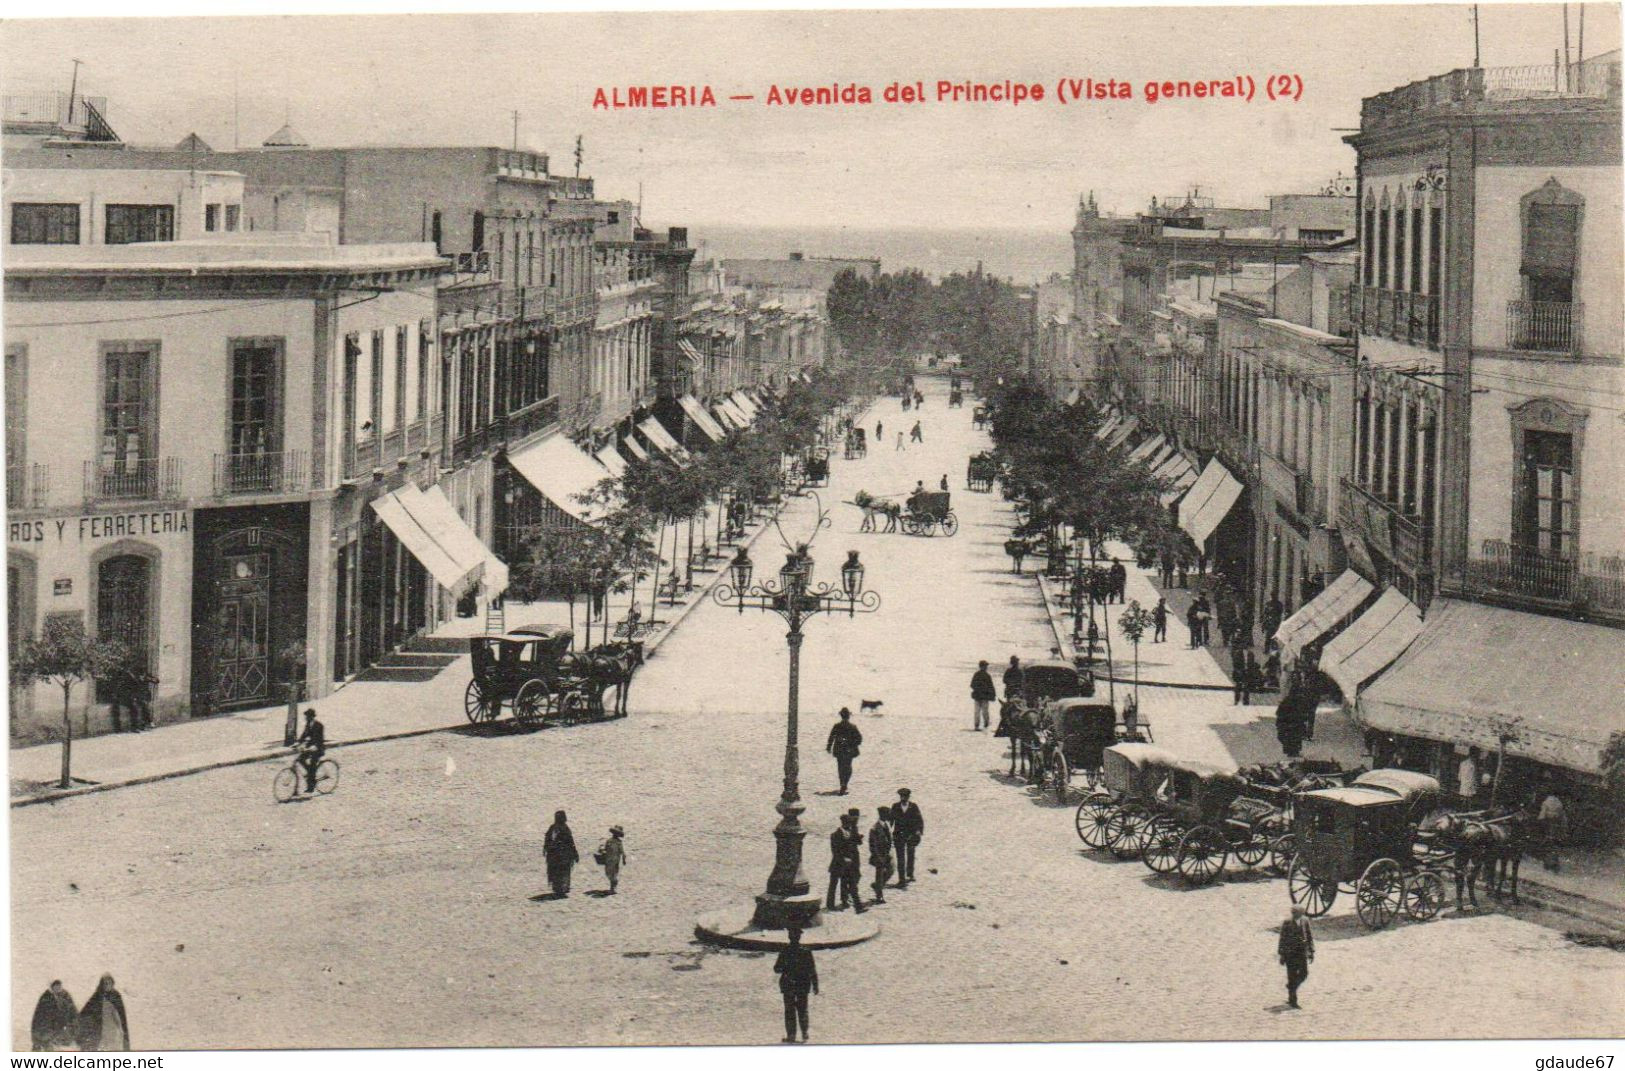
x: 892, y: 842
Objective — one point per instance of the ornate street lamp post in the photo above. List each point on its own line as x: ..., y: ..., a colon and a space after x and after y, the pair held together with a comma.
x: 788, y: 899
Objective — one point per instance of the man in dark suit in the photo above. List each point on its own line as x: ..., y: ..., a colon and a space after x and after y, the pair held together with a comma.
x: 798, y: 976
x: 845, y: 864
x: 1296, y: 950
x: 312, y: 745
x: 1119, y: 575
x: 844, y: 741
x: 908, y: 826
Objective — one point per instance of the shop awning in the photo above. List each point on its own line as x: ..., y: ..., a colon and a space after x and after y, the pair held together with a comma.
x: 734, y: 414
x: 745, y: 403
x: 561, y: 470
x: 805, y: 378
x: 633, y: 447
x: 1109, y: 428
x: 1322, y: 613
x: 1164, y: 453
x: 1376, y: 638
x: 611, y: 459
x: 727, y: 417
x: 1148, y: 449
x: 464, y: 540
x: 414, y: 532
x: 1476, y: 671
x: 1184, y: 479
x: 690, y: 353
x: 1073, y: 395
x: 656, y: 433
x: 1208, y: 500
x: 702, y: 420
x: 1120, y: 436
x: 1172, y: 466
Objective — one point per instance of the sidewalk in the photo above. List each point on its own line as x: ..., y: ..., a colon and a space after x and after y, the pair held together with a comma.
x: 1177, y: 681
x: 358, y: 712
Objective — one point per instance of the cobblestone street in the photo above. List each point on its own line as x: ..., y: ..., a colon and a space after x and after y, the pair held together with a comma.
x: 403, y: 910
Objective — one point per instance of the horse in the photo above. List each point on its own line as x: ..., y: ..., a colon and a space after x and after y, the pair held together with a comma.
x: 610, y: 665
x: 1487, y: 843
x: 874, y: 508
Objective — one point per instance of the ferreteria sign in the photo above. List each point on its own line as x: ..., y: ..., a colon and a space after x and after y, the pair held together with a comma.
x: 98, y: 526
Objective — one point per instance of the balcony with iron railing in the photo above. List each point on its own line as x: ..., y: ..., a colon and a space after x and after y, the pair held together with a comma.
x: 272, y: 473
x: 28, y: 486
x: 155, y: 478
x: 1405, y: 537
x: 1545, y: 326
x: 1597, y: 79
x: 523, y: 423
x: 1520, y: 575
x: 1401, y: 316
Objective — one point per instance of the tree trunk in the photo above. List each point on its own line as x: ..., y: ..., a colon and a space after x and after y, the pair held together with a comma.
x: 67, y: 739
x: 688, y: 573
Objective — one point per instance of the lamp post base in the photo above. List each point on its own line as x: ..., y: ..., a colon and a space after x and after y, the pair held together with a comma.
x: 775, y: 912
x: 737, y: 927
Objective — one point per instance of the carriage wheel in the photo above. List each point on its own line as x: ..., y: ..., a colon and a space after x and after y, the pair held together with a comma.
x: 1314, y: 895
x: 530, y: 705
x: 1202, y: 853
x: 950, y: 524
x: 1282, y: 849
x: 1424, y: 895
x: 1093, y: 817
x: 480, y: 704
x: 572, y: 706
x: 1161, y: 851
x: 1254, y: 849
x: 1061, y: 774
x: 1125, y: 836
x: 910, y: 525
x: 1380, y: 893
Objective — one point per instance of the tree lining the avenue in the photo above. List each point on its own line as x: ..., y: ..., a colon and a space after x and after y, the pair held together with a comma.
x: 897, y: 315
x: 646, y: 513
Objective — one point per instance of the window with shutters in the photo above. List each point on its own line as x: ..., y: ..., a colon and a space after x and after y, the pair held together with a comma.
x: 139, y: 223
x: 1549, y: 498
x: 1551, y: 239
x: 44, y: 224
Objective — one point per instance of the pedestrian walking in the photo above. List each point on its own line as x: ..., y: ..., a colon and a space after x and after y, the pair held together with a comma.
x: 611, y: 855
x: 899, y: 441
x: 1167, y: 570
x: 1296, y: 950
x: 880, y: 432
x: 560, y: 855
x: 1014, y: 678
x: 1204, y: 619
x: 981, y: 694
x: 1193, y: 622
x: 908, y: 827
x: 1159, y: 621
x: 845, y: 864
x: 1119, y: 579
x: 943, y: 483
x: 844, y: 742
x: 880, y: 852
x: 1240, y: 685
x: 103, y: 1025
x: 798, y: 976
x: 1273, y: 614
x: 917, y: 435
x: 1184, y: 572
x: 1554, y: 829
x: 56, y: 1018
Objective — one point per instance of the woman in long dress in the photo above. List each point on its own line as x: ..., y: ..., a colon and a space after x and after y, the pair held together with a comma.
x: 103, y: 1026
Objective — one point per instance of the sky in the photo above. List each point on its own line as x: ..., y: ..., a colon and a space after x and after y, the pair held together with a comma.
x: 457, y: 79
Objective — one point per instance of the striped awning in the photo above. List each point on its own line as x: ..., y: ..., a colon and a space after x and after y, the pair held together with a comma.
x: 1322, y: 613
x: 1375, y: 639
x: 469, y: 546
x: 1109, y: 428
x: 423, y: 535
x: 634, y: 448
x: 690, y: 354
x: 562, y: 472
x: 701, y: 419
x: 1120, y: 436
x: 1146, y: 450
x: 1208, y: 501
x: 657, y: 434
x: 611, y: 459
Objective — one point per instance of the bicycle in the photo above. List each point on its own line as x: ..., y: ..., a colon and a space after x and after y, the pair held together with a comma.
x: 288, y: 781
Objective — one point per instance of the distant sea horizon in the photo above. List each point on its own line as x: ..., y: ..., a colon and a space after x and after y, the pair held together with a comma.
x: 1021, y: 255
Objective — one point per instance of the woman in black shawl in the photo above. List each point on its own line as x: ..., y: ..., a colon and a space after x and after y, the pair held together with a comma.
x: 54, y: 1019
x: 103, y: 1026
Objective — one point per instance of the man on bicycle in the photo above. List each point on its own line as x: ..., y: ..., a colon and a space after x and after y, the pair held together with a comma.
x: 311, y: 745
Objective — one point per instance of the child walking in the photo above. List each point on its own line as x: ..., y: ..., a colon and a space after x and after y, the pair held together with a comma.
x: 612, y: 855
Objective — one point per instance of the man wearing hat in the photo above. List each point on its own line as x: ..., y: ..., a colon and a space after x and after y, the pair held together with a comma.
x: 312, y: 745
x: 612, y: 856
x: 981, y: 694
x: 845, y: 863
x: 908, y: 826
x: 1296, y: 950
x: 880, y: 852
x: 844, y: 740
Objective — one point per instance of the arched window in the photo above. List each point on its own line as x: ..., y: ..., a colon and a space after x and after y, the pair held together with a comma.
x: 124, y: 606
x: 1368, y: 239
x: 1551, y: 242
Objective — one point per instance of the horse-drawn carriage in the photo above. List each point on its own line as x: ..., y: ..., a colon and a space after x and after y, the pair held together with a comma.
x: 928, y: 511
x: 981, y: 471
x: 1364, y: 838
x: 531, y: 671
x: 956, y: 398
x: 815, y: 467
x: 1073, y: 734
x: 1116, y: 815
x: 979, y: 416
x: 857, y: 443
x: 1196, y: 826
x: 1269, y: 794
